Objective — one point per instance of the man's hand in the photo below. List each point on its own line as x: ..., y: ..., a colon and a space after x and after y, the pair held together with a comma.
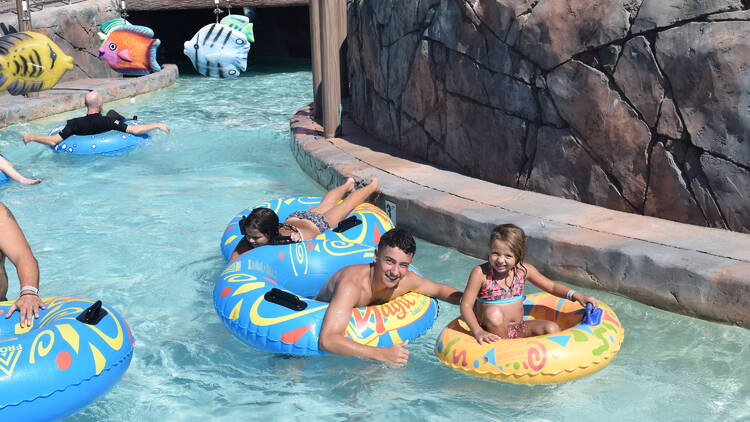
x: 396, y: 355
x: 28, y: 309
x: 27, y: 138
x: 162, y: 127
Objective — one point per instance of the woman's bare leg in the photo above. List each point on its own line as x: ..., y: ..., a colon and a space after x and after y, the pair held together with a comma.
x: 333, y: 196
x: 340, y: 211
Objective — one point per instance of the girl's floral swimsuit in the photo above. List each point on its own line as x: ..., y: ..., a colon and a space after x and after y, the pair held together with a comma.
x: 496, y: 291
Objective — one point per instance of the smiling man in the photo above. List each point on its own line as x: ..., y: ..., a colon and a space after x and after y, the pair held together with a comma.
x: 387, y: 278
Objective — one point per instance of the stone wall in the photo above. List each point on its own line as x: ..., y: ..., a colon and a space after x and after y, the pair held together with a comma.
x: 635, y: 105
x: 74, y: 28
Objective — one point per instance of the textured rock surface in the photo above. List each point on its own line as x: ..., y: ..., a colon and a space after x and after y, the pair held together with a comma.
x: 636, y: 105
x: 683, y: 268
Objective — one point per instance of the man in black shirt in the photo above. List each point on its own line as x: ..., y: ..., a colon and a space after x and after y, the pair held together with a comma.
x: 92, y: 124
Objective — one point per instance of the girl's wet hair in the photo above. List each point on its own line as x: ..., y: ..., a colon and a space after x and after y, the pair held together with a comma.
x: 264, y: 220
x: 513, y: 236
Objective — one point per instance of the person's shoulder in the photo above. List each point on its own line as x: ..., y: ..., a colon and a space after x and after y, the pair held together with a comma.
x: 481, y: 270
x: 525, y: 269
x: 354, y: 269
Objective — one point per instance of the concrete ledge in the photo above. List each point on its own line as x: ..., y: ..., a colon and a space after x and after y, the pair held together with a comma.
x: 69, y: 95
x: 691, y: 270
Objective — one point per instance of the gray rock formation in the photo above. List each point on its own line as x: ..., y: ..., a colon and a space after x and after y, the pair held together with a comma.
x: 636, y: 105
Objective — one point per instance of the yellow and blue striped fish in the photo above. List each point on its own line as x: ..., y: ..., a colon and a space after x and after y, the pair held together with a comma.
x: 30, y: 62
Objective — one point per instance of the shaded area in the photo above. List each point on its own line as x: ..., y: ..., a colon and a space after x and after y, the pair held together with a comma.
x: 279, y: 32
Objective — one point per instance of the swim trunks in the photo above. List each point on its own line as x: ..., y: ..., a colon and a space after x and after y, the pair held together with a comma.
x: 516, y: 330
x: 312, y: 216
x: 495, y: 291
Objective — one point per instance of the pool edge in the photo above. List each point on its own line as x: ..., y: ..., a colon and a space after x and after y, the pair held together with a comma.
x: 695, y: 271
x: 14, y: 109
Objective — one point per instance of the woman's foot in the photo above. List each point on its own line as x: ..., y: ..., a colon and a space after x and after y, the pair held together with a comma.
x: 349, y: 184
x: 369, y: 188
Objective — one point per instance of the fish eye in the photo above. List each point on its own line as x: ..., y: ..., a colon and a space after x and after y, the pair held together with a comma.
x: 240, y: 41
x: 232, y: 72
x: 195, y: 46
x: 112, y: 46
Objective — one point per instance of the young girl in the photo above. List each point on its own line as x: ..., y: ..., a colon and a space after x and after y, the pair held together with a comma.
x: 492, y: 303
x: 262, y: 226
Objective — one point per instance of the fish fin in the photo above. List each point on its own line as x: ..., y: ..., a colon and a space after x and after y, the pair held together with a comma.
x: 68, y: 62
x: 136, y: 29
x: 102, y: 37
x: 124, y: 55
x: 152, y: 55
x: 112, y: 24
x: 7, y: 29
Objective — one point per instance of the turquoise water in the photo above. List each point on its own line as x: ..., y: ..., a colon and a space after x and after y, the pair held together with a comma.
x: 141, y: 230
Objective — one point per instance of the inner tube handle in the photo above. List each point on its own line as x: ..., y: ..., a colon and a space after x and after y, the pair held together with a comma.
x: 348, y: 223
x: 285, y: 299
x: 592, y: 316
x: 93, y: 314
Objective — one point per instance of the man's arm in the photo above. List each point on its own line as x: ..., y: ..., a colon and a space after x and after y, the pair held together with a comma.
x: 437, y: 290
x: 333, y: 332
x: 141, y: 129
x: 16, y: 248
x: 42, y: 139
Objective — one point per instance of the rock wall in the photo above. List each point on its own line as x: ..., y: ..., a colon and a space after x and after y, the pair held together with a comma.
x: 635, y: 105
x: 74, y: 28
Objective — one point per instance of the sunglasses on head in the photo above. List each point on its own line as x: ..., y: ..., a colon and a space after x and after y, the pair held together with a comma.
x: 241, y: 224
x: 272, y: 240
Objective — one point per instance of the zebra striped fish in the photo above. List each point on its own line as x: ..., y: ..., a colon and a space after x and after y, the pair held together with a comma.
x: 218, y: 51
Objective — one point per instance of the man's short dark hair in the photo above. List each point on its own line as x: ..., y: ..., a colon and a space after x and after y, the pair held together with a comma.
x: 398, y: 238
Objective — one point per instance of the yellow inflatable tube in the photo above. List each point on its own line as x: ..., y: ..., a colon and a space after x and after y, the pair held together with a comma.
x: 576, y: 351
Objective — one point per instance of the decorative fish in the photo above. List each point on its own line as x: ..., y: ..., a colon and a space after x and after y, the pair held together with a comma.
x: 218, y: 51
x: 109, y: 26
x: 241, y: 23
x: 30, y: 62
x: 130, y: 50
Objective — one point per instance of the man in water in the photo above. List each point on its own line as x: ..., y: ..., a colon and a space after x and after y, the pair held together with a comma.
x: 387, y: 278
x: 13, y: 245
x: 93, y: 123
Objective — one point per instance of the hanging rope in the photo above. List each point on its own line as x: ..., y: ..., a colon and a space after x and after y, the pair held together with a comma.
x: 217, y: 11
x: 123, y: 9
x: 229, y: 8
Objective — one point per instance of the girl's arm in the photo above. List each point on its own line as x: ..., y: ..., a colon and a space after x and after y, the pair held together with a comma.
x: 556, y: 289
x: 468, y: 300
x: 8, y: 169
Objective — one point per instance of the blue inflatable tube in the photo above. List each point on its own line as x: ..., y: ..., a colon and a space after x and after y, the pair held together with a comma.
x: 73, y: 354
x: 375, y: 222
x: 4, y: 178
x: 246, y: 299
x: 110, y: 142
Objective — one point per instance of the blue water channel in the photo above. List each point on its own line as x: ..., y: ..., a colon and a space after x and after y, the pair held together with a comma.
x: 140, y: 231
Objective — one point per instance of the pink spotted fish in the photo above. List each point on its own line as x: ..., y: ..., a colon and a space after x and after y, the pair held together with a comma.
x: 130, y: 50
